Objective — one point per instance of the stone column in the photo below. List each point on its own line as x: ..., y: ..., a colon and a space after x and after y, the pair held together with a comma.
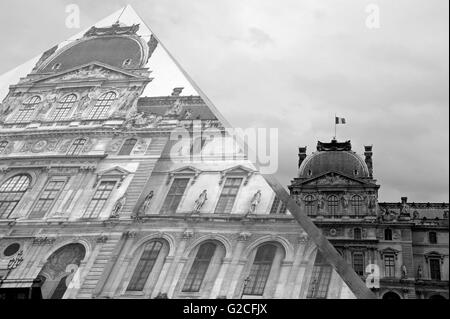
x: 286, y: 267
x: 234, y: 269
x: 220, y: 277
x: 169, y: 284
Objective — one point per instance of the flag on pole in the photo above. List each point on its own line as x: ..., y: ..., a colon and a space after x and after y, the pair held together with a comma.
x: 339, y: 120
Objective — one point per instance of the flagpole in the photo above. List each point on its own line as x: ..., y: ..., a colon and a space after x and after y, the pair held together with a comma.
x: 334, y: 125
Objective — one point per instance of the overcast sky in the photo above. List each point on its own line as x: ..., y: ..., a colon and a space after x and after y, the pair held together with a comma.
x: 293, y: 65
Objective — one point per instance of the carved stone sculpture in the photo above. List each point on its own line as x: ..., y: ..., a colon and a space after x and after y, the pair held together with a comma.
x: 200, y: 202
x: 254, y: 203
x: 145, y: 204
x: 118, y: 206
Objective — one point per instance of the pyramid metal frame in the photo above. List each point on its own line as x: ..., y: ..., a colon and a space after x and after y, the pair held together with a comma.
x: 354, y: 282
x: 348, y: 275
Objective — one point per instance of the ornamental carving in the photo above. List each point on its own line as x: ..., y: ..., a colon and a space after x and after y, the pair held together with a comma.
x: 39, y: 146
x: 114, y: 145
x: 8, y: 149
x: 11, y: 103
x: 39, y: 241
x: 88, y: 72
x: 71, y: 254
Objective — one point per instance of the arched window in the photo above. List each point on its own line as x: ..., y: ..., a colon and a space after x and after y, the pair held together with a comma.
x: 60, y: 269
x: 26, y: 112
x: 333, y: 205
x: 357, y: 234
x: 320, y: 279
x: 260, y: 270
x: 127, y: 146
x: 77, y: 146
x: 388, y: 234
x: 145, y: 266
x: 310, y: 205
x: 3, y: 145
x: 199, y: 267
x: 11, y: 193
x: 357, y: 205
x: 101, y: 107
x: 64, y: 107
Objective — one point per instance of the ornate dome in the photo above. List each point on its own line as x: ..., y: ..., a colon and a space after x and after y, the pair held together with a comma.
x: 334, y: 157
x: 116, y: 46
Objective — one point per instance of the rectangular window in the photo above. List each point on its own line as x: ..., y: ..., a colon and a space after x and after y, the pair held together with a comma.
x: 389, y: 266
x: 278, y: 207
x: 47, y: 198
x: 175, y: 194
x: 358, y: 263
x: 320, y: 280
x: 25, y: 114
x: 435, y: 268
x: 432, y: 237
x: 228, y: 196
x: 99, y: 199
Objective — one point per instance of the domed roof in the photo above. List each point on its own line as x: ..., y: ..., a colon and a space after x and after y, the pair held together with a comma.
x: 112, y: 47
x: 335, y: 157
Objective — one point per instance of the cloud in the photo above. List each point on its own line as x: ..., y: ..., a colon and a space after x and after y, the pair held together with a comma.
x: 292, y: 65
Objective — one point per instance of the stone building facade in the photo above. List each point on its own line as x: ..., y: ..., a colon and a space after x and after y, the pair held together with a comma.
x: 107, y: 192
x: 408, y: 242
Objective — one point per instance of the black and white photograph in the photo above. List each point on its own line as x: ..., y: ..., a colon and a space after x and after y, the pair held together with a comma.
x: 219, y: 157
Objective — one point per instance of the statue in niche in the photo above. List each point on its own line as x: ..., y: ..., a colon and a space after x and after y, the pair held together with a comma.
x: 200, y: 202
x: 320, y: 203
x: 254, y: 203
x: 416, y: 214
x: 345, y: 201
x: 85, y: 100
x: 145, y: 204
x: 372, y: 202
x: 404, y: 272
x: 118, y: 206
x: 419, y: 272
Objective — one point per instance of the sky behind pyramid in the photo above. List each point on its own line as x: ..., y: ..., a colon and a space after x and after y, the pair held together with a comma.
x: 293, y: 67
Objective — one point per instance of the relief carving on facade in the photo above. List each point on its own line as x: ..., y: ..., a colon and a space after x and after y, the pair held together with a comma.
x: 87, y: 73
x: 71, y: 254
x: 38, y: 146
x: 9, y: 148
x: 12, y: 102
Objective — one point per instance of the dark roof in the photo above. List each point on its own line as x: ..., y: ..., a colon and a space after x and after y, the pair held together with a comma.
x: 112, y: 50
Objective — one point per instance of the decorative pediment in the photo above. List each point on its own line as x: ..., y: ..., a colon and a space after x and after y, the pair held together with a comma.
x: 116, y: 172
x: 434, y: 254
x: 187, y: 171
x: 93, y: 70
x: 389, y: 251
x: 239, y: 171
x: 333, y: 178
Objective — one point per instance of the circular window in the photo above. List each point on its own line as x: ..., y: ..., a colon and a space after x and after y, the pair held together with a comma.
x: 11, y: 249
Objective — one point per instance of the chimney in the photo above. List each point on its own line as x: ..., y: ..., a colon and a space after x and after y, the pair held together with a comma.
x: 301, y: 155
x: 368, y: 154
x: 177, y: 91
